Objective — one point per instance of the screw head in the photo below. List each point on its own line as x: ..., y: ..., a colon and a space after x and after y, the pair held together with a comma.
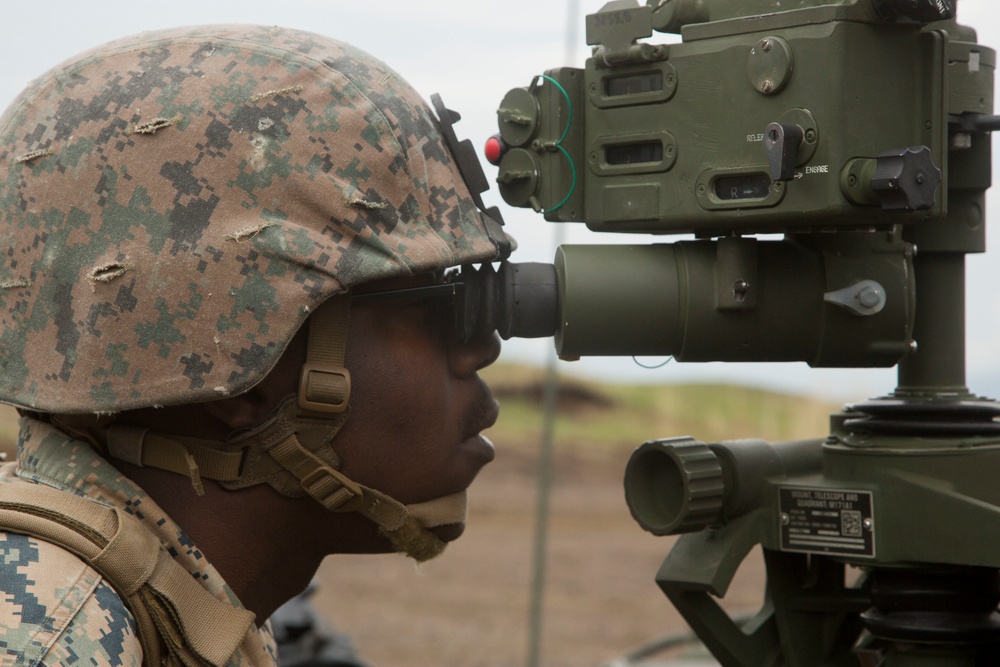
x: 740, y: 289
x: 870, y: 296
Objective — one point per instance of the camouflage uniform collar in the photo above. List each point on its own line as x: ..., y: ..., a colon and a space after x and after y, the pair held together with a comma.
x: 49, y: 456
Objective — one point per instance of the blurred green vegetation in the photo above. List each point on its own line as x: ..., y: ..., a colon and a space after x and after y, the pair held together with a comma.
x: 607, y: 415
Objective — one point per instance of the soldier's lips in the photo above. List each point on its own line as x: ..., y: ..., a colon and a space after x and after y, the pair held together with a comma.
x: 484, y: 416
x: 480, y: 446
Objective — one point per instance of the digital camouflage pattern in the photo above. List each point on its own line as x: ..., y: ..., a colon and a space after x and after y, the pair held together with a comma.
x: 56, y: 609
x: 175, y: 204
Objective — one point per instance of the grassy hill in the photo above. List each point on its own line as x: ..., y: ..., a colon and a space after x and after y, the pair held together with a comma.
x: 603, y: 415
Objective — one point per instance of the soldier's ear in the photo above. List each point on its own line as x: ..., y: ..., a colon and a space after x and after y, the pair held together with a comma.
x: 250, y: 407
x: 239, y: 411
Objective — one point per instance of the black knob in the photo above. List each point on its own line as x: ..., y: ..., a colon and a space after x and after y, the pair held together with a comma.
x: 906, y: 179
x: 921, y: 11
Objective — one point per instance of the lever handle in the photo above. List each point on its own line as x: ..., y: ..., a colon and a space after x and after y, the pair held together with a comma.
x: 781, y: 142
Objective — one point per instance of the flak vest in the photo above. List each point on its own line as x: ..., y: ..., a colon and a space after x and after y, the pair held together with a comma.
x: 179, y: 622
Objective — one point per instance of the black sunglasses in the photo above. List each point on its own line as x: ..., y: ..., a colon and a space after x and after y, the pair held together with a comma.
x: 446, y: 295
x: 520, y: 300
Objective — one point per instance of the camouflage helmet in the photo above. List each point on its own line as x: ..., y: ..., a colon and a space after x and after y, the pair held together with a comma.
x: 177, y: 203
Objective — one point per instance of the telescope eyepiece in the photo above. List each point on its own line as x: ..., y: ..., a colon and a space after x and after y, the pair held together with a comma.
x: 519, y: 300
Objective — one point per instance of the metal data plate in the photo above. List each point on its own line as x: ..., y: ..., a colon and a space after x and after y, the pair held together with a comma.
x: 827, y: 521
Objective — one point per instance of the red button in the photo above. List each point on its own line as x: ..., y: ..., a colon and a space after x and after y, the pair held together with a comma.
x: 495, y: 148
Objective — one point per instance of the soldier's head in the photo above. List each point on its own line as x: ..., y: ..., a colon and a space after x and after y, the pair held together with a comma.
x: 230, y: 217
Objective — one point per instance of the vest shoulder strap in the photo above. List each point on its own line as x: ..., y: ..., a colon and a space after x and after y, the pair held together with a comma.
x: 177, y: 618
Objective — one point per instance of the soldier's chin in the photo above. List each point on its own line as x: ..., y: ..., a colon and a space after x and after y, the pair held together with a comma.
x: 444, y: 516
x: 449, y: 532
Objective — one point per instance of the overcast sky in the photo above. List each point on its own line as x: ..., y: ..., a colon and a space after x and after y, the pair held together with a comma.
x: 472, y: 52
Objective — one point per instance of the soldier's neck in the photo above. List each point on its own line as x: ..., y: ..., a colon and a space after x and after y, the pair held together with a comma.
x: 250, y: 536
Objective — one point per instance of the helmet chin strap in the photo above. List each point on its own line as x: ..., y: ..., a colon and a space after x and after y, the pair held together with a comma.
x: 325, y: 388
x: 291, y: 450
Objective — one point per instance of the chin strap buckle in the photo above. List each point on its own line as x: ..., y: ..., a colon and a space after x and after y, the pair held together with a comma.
x: 327, y: 485
x: 325, y: 385
x: 324, y: 388
x: 332, y: 489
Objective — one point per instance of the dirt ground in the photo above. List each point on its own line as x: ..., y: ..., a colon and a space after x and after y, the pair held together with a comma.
x: 470, y: 607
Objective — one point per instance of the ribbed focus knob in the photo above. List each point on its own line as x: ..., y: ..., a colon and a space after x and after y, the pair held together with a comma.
x: 674, y: 486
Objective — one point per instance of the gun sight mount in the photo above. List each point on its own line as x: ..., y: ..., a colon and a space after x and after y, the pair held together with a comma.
x: 858, y: 129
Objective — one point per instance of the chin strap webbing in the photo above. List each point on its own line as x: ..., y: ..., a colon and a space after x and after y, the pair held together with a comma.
x: 167, y: 603
x: 325, y: 385
x: 332, y: 489
x: 192, y: 457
